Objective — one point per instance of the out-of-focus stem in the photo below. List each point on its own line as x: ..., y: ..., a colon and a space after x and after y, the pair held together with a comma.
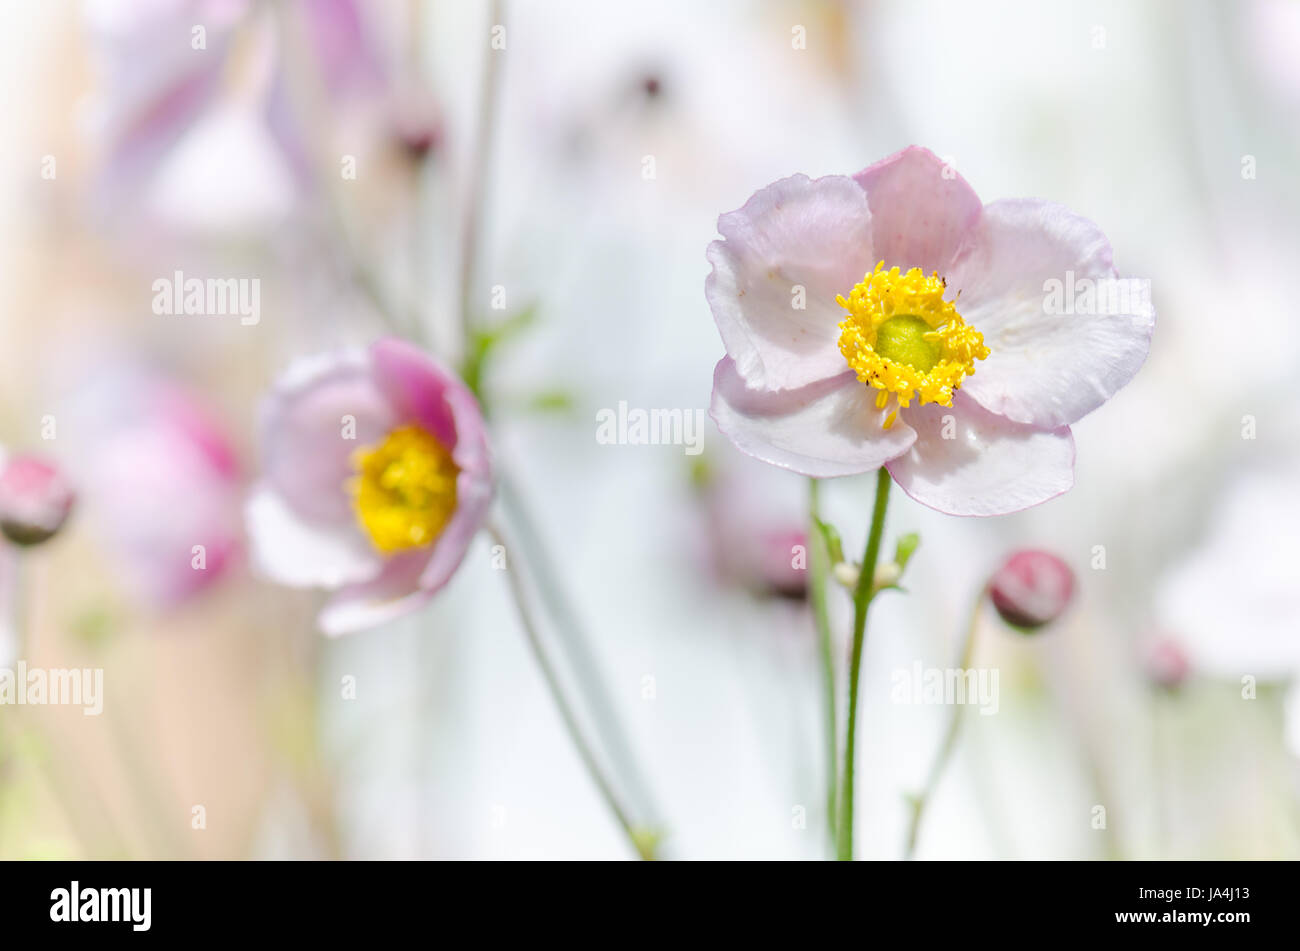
x: 642, y: 842
x: 476, y: 190
x: 577, y: 649
x: 949, y: 737
x: 64, y: 788
x: 819, y: 566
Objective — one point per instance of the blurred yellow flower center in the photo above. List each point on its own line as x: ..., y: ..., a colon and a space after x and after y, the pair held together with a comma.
x: 405, y: 490
x: 904, y: 339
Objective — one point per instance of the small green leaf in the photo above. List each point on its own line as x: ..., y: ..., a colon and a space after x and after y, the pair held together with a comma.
x: 483, y: 342
x: 831, y: 537
x: 552, y: 401
x: 512, y: 326
x: 905, y: 549
x: 702, y: 473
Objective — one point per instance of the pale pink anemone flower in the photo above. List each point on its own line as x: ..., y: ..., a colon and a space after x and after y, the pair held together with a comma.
x: 961, y: 377
x: 377, y: 476
x: 163, y: 483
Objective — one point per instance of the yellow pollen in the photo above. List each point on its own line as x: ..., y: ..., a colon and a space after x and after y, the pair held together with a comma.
x: 903, y: 338
x: 405, y: 489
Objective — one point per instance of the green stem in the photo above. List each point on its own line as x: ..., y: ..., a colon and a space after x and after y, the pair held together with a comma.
x: 476, y: 192
x: 949, y: 738
x: 819, y: 566
x: 862, y: 596
x: 641, y: 840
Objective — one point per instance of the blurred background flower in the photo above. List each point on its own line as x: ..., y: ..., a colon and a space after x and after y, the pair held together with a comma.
x: 162, y: 479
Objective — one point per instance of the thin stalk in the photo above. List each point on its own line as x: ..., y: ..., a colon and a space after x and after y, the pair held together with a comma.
x: 819, y: 567
x: 68, y: 790
x: 642, y: 843
x: 862, y: 597
x: 576, y: 644
x: 949, y: 737
x: 477, y: 187
x: 152, y: 806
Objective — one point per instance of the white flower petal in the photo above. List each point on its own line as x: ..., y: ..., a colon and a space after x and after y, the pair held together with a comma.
x: 1046, y: 369
x: 292, y: 551
x: 831, y: 428
x: 968, y: 461
x: 796, y: 241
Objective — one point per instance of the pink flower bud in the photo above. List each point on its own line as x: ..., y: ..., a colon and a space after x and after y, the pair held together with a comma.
x: 1032, y: 588
x: 417, y: 123
x: 1166, y: 663
x: 35, y: 500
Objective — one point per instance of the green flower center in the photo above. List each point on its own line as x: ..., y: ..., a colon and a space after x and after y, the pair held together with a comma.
x: 904, y: 339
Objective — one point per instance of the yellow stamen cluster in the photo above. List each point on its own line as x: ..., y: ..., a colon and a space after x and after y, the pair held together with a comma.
x: 903, y: 338
x: 405, y: 490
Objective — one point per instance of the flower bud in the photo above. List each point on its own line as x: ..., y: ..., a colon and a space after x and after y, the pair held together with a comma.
x: 417, y: 124
x: 769, y: 565
x: 848, y: 573
x: 1031, y: 589
x: 1166, y: 663
x: 35, y: 499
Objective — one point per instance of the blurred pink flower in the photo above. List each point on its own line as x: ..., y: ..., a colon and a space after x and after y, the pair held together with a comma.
x: 1032, y: 588
x: 162, y: 484
x: 1166, y: 662
x: 159, y: 75
x: 944, y: 363
x: 152, y: 83
x: 753, y: 536
x: 35, y: 499
x: 377, y: 476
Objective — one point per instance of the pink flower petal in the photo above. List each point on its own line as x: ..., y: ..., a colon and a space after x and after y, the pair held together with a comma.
x: 989, y: 466
x: 921, y: 209
x: 1045, y: 369
x: 474, y: 487
x: 395, y: 593
x: 152, y: 86
x: 415, y: 387
x: 829, y: 428
x: 340, y: 35
x: 796, y: 233
x: 305, y: 428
